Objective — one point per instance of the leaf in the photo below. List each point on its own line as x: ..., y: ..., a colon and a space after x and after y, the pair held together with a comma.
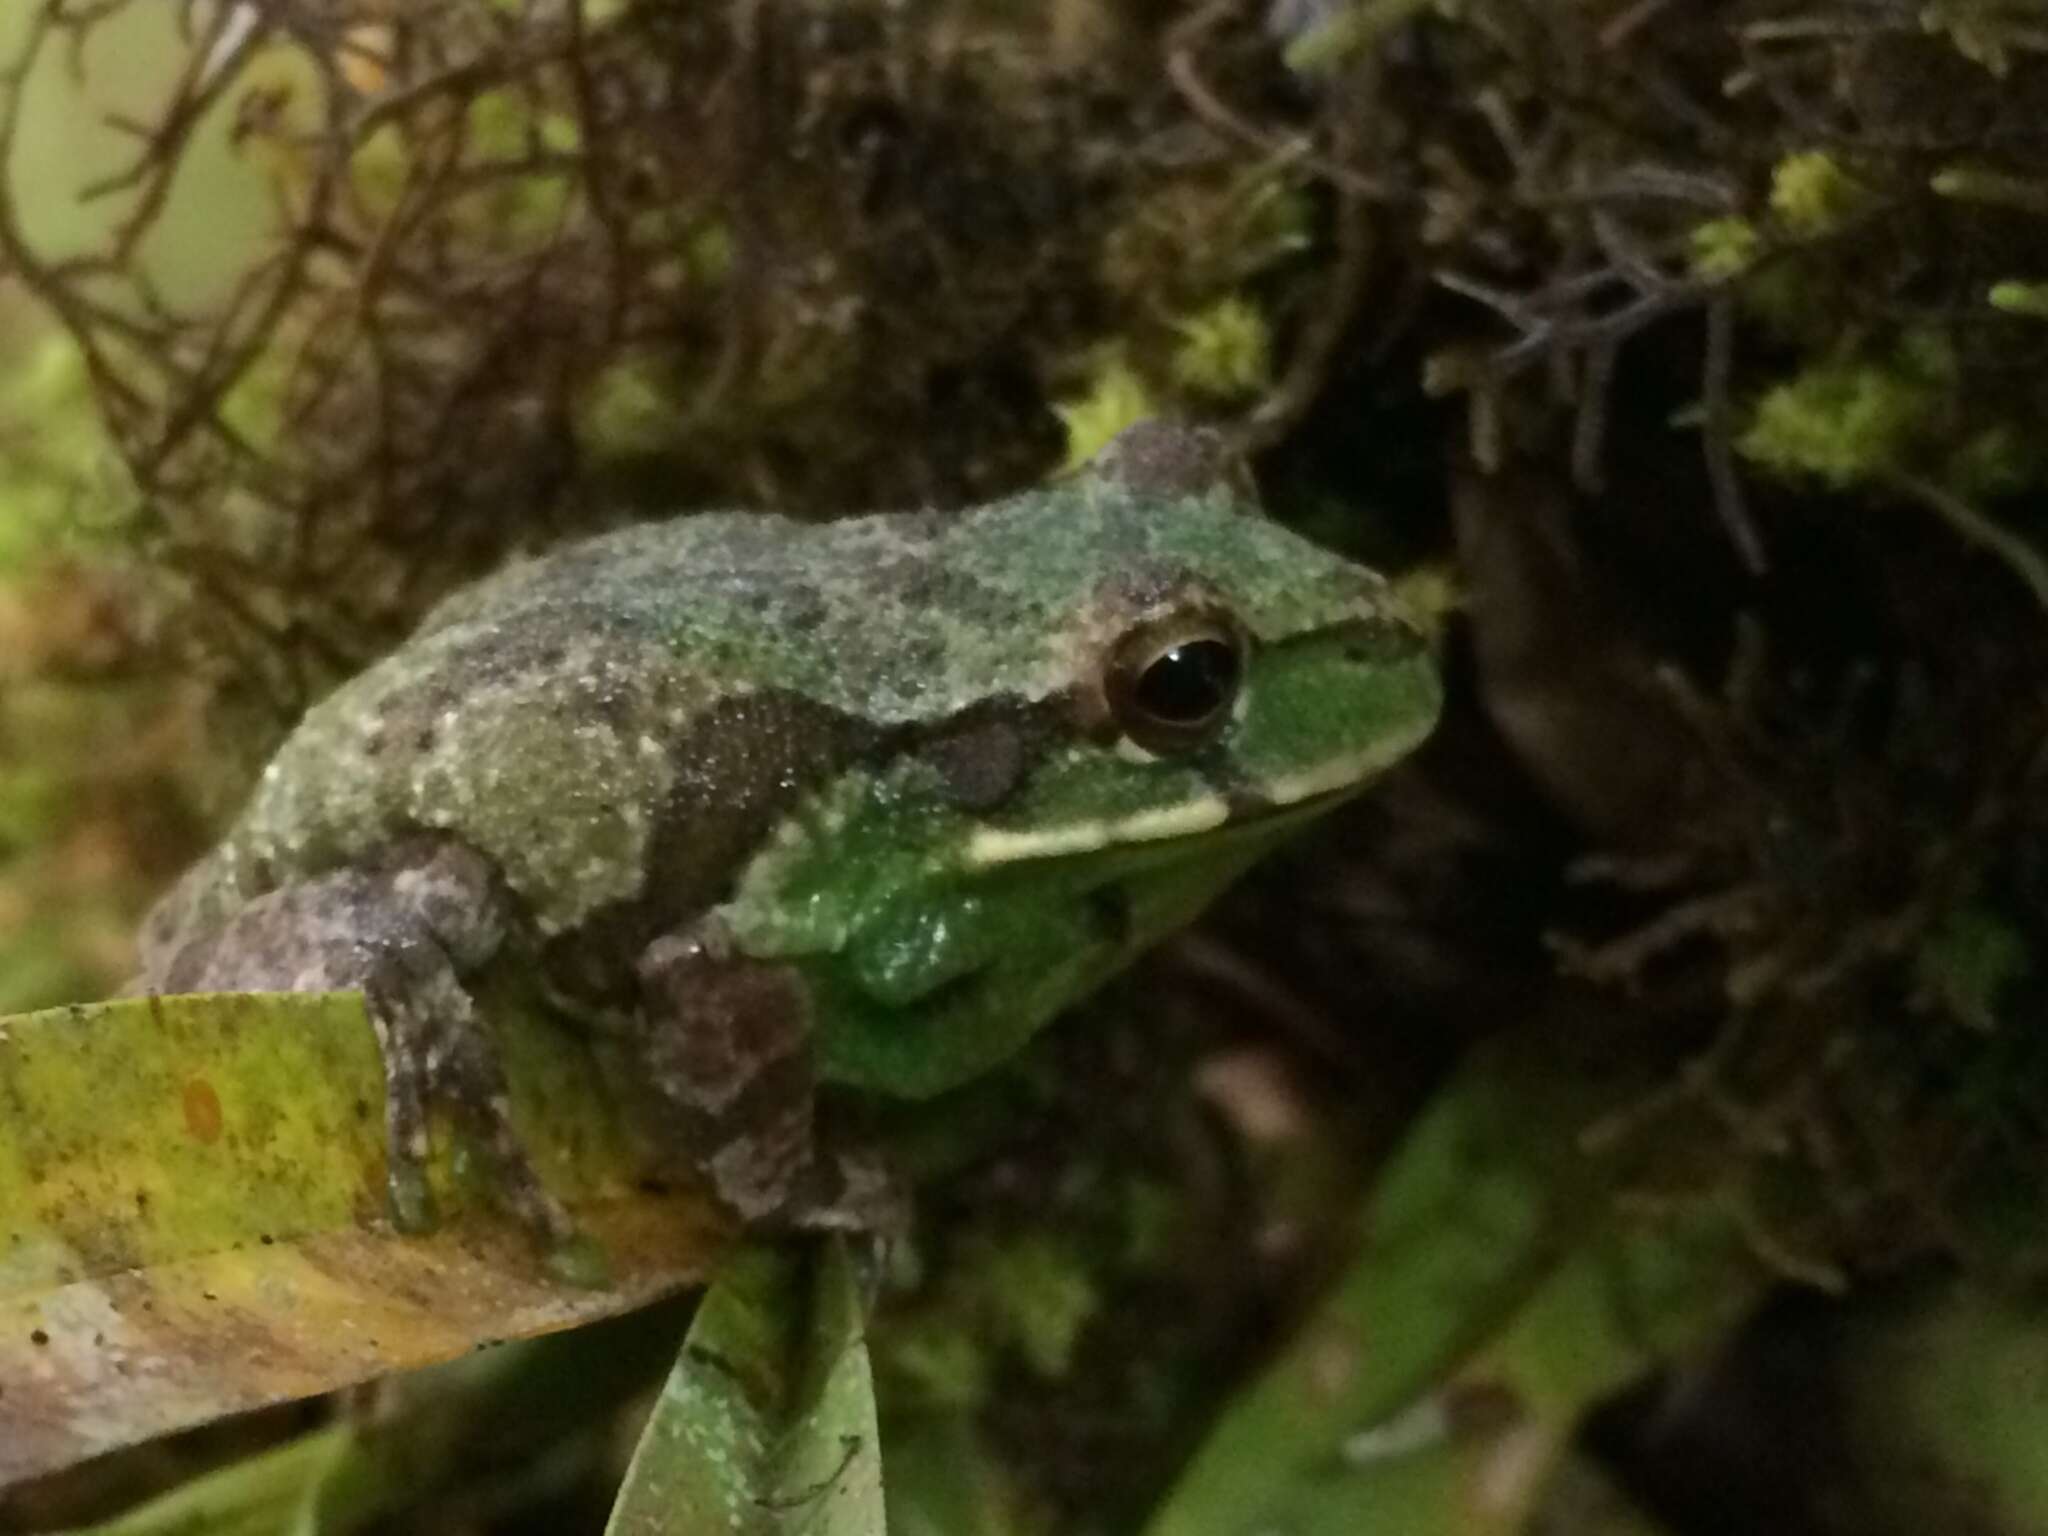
x: 192, y: 1217
x: 274, y: 1494
x: 1437, y: 1388
x: 1938, y: 1389
x: 766, y: 1427
x: 492, y: 1431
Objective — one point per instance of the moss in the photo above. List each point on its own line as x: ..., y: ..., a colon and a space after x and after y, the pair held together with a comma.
x: 1724, y: 248
x: 1843, y: 423
x: 1813, y: 196
x: 1225, y: 351
x: 1867, y: 418
x: 1115, y: 398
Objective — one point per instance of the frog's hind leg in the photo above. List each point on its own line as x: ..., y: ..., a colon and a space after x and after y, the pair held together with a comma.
x: 437, y: 1047
x: 404, y: 932
x: 726, y: 1050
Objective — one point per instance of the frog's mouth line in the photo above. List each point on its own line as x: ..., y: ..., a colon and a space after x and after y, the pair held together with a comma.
x: 1292, y: 794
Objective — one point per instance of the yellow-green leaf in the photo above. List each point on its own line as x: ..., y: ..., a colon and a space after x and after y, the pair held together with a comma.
x: 193, y: 1221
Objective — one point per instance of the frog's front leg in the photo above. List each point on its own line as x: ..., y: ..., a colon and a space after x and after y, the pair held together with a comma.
x: 727, y: 1051
x: 404, y: 932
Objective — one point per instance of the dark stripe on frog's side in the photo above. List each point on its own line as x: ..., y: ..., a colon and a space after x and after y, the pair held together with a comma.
x: 742, y: 765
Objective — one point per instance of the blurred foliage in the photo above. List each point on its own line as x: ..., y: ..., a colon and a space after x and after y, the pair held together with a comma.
x: 1731, y: 314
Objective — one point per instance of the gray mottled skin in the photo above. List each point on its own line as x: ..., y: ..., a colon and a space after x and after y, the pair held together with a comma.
x: 583, y: 753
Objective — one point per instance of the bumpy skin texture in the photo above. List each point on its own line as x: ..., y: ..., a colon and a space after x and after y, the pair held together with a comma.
x: 775, y: 801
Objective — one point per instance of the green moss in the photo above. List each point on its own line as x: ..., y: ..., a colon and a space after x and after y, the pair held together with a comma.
x: 1723, y: 248
x: 1116, y: 398
x: 1812, y: 196
x: 1841, y: 422
x: 1858, y: 419
x: 1225, y: 351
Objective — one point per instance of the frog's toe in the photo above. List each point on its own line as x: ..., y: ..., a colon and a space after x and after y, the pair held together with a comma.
x: 438, y: 1049
x: 852, y: 1189
x: 405, y: 1122
x: 460, y: 1067
x: 463, y: 1073
x: 514, y: 1181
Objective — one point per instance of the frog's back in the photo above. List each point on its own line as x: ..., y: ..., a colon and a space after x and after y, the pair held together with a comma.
x: 536, y: 717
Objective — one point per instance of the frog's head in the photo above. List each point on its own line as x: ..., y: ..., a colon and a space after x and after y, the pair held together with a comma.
x: 1142, y: 685
x: 1201, y: 668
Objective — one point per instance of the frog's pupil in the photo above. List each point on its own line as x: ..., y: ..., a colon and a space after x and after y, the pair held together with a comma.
x: 1189, y: 683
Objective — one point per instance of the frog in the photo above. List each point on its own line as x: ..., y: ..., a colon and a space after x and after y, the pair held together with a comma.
x: 782, y: 811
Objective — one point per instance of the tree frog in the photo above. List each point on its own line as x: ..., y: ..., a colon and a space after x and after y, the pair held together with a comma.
x: 776, y: 805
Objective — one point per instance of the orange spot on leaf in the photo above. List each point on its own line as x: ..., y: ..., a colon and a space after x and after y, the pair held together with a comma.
x: 202, y: 1112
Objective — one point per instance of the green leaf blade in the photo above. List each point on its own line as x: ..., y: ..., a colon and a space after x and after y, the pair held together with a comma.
x: 766, y: 1427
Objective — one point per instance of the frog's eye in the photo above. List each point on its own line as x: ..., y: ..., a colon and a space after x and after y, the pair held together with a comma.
x: 1170, y: 686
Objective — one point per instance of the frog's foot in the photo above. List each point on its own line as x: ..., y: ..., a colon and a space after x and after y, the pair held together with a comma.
x: 436, y: 1049
x: 726, y: 1049
x: 403, y: 933
x: 851, y: 1188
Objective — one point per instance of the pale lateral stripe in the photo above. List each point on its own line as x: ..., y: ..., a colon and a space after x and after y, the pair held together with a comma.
x: 991, y: 847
